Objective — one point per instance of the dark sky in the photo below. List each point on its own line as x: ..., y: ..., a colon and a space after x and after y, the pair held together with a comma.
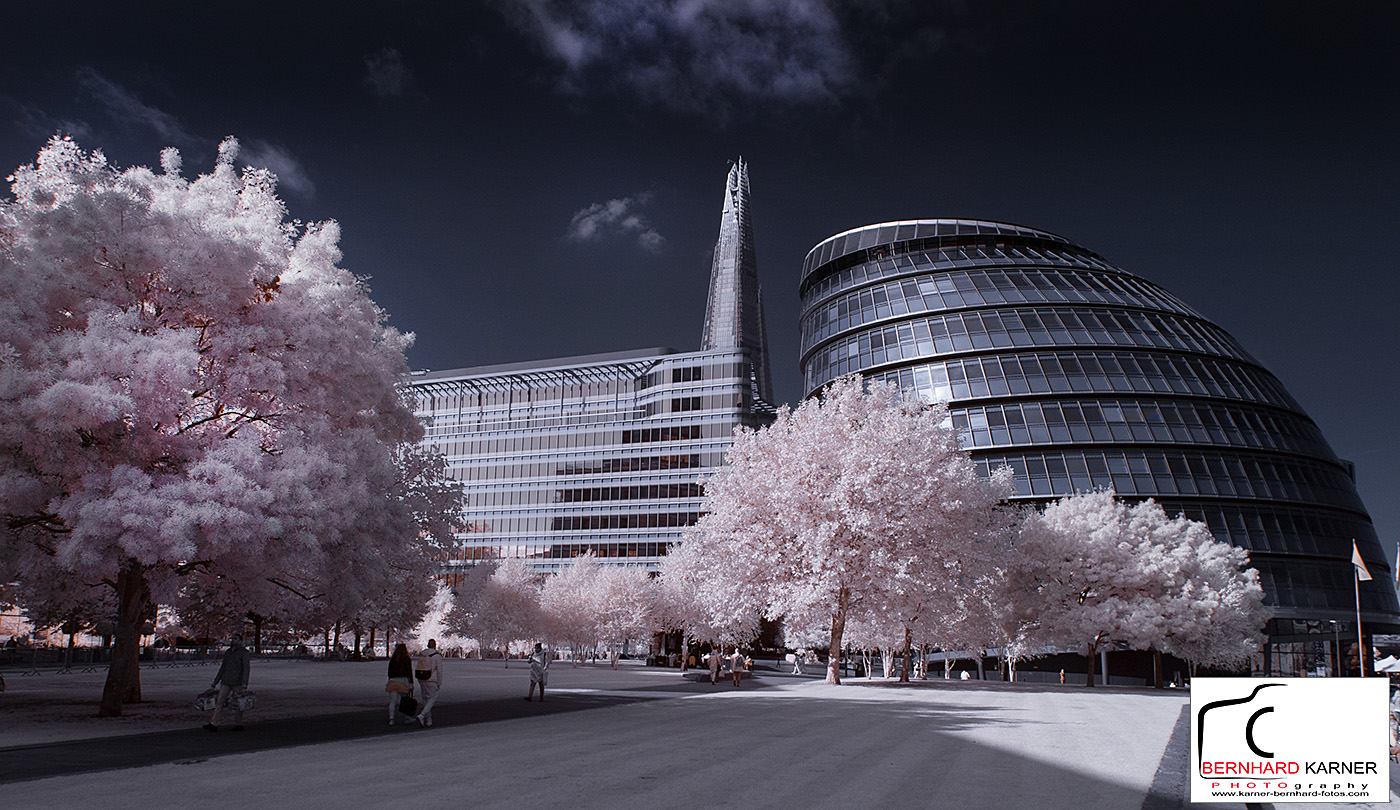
x: 534, y: 178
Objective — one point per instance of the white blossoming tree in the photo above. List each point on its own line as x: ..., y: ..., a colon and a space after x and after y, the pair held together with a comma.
x: 1215, y: 608
x: 570, y: 601
x: 190, y: 382
x: 844, y: 502
x: 1092, y: 571
x: 507, y: 607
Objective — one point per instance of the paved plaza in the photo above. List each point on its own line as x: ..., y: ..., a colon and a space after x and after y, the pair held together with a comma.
x: 632, y: 737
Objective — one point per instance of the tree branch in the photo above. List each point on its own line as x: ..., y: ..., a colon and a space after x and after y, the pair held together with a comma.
x: 284, y: 585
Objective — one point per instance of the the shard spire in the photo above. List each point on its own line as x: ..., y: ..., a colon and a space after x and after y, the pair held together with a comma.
x: 734, y: 313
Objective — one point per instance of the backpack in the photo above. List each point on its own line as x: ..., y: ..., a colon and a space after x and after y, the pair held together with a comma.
x: 423, y: 668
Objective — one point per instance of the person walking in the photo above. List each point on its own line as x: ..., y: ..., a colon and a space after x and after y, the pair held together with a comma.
x: 400, y: 678
x: 714, y: 659
x: 539, y: 670
x: 736, y: 665
x: 231, y: 682
x: 428, y: 670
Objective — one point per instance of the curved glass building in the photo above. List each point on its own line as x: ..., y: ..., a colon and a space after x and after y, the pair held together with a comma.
x: 1080, y: 375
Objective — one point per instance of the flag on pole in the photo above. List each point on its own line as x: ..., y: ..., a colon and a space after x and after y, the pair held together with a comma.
x: 1361, y: 573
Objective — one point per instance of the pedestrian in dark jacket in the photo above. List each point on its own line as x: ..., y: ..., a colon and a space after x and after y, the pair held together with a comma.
x: 232, y: 682
x: 400, y: 671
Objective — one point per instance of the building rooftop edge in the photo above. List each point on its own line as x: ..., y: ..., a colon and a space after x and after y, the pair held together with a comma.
x: 993, y: 226
x: 553, y: 363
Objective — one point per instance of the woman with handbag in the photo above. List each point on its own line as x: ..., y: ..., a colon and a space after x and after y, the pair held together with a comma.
x: 400, y: 679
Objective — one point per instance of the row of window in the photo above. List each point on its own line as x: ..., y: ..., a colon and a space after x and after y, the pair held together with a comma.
x: 1083, y: 372
x: 654, y: 520
x: 675, y: 375
x: 977, y: 288
x: 923, y: 234
x: 1276, y: 529
x: 540, y: 524
x: 512, y: 471
x: 517, y: 422
x: 470, y: 403
x: 489, y: 394
x: 711, y: 402
x: 1136, y: 421
x: 1166, y: 474
x: 544, y: 550
x: 883, y: 263
x: 683, y: 461
x: 670, y: 433
x: 1318, y: 584
x: 637, y: 493
x: 531, y: 443
x: 481, y: 498
x: 979, y: 331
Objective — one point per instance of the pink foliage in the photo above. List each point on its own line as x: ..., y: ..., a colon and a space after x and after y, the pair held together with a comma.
x: 188, y: 381
x: 857, y: 504
x: 1092, y: 570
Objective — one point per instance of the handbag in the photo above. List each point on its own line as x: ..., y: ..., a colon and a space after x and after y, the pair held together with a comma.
x: 207, y: 700
x: 408, y: 705
x: 244, y: 702
x: 397, y: 686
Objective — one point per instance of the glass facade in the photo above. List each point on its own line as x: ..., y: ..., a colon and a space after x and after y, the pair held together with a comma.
x: 734, y: 310
x: 603, y: 454
x: 1079, y: 375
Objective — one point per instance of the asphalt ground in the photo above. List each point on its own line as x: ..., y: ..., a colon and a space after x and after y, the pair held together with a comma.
x: 634, y: 737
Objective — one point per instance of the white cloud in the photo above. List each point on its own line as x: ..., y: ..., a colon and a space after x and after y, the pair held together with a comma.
x: 387, y: 74
x: 291, y: 175
x: 41, y: 126
x: 127, y: 109
x: 699, y: 56
x: 124, y: 107
x: 616, y: 218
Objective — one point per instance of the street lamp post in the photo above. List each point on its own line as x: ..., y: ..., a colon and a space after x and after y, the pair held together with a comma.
x: 1337, y: 636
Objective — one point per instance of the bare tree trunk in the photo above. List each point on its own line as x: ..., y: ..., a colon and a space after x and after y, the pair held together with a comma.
x: 1091, y: 655
x: 838, y: 628
x: 981, y: 673
x: 370, y: 645
x: 124, y: 673
x: 908, y: 651
x: 1156, y: 668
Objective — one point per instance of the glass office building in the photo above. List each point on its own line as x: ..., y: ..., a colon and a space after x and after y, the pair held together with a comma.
x: 605, y: 453
x: 1079, y: 375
